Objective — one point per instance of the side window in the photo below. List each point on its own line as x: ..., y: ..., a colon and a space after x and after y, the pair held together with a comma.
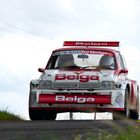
x: 52, y: 62
x: 123, y: 61
x: 120, y: 61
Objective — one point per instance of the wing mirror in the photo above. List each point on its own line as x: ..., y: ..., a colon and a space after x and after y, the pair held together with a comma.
x: 125, y: 71
x: 41, y: 69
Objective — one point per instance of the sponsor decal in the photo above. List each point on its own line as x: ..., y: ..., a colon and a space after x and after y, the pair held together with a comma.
x: 74, y: 99
x: 82, y: 52
x: 62, y: 98
x: 81, y: 78
x: 119, y: 101
x: 92, y: 43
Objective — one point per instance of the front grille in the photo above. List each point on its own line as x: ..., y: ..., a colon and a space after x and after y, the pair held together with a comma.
x: 63, y: 85
x: 76, y: 85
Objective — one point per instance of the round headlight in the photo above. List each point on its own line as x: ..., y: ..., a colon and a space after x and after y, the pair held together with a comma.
x: 44, y: 84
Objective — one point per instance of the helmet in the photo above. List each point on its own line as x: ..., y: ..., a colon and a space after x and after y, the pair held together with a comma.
x: 107, y: 61
x: 66, y: 60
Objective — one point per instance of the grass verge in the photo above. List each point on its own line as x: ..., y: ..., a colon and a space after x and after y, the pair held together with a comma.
x: 129, y: 134
x: 8, y: 116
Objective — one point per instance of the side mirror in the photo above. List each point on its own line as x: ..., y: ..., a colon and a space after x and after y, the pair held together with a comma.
x: 125, y: 71
x: 41, y: 69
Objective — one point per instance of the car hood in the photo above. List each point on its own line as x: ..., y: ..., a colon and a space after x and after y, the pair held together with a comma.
x: 78, y: 75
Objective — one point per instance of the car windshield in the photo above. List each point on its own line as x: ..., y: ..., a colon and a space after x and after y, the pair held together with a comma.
x: 81, y: 59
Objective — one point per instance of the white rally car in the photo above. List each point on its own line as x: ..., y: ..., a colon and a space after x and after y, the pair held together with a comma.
x: 84, y: 77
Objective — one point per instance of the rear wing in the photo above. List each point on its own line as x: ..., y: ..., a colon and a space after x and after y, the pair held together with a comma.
x: 92, y: 43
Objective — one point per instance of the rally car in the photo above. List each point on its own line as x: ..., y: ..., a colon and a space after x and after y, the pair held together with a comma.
x: 84, y: 76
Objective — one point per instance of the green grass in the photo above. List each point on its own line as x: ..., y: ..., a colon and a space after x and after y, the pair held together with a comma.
x: 128, y: 134
x: 8, y: 116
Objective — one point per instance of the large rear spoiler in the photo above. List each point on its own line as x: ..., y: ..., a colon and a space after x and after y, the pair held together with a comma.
x: 92, y: 43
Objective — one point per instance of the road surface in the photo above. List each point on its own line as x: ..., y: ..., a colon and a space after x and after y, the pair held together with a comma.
x: 61, y: 130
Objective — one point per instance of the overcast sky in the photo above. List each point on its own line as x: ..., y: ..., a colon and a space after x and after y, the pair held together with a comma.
x: 31, y: 29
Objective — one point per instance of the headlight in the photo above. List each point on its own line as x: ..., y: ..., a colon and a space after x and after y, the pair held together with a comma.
x: 44, y: 84
x: 107, y: 85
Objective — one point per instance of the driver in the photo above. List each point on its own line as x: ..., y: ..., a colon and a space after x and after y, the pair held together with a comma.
x: 107, y: 61
x: 66, y: 61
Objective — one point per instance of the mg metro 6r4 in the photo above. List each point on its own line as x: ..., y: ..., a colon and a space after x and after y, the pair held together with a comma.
x: 84, y: 76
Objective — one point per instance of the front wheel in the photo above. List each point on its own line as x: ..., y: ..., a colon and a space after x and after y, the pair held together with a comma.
x: 134, y: 114
x: 42, y: 115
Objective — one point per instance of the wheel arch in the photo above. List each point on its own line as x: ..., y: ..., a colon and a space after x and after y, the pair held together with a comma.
x: 134, y: 91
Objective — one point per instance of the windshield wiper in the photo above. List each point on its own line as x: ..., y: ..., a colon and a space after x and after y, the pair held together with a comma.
x: 89, y: 67
x: 107, y: 67
x: 67, y: 67
x: 99, y: 67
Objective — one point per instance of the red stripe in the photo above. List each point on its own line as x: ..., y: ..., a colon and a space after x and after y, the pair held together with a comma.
x: 91, y: 43
x: 84, y: 109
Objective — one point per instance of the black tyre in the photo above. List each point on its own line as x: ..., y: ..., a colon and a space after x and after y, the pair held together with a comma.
x: 42, y: 115
x: 134, y: 114
x: 50, y: 115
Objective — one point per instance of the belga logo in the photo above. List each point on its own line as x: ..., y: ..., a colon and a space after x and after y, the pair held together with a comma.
x: 81, y: 78
x: 62, y: 98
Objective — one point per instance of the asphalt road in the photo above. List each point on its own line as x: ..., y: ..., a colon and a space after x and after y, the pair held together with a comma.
x: 61, y: 130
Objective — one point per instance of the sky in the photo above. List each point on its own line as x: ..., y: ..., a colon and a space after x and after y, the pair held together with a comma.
x: 31, y: 29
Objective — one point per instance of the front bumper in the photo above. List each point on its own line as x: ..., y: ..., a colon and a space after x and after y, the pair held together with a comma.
x: 77, y: 100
